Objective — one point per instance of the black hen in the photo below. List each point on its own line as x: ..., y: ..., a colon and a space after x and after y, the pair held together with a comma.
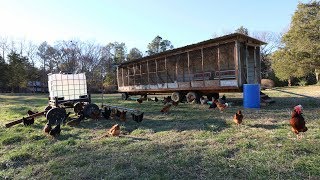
x: 137, y: 118
x: 27, y: 121
x: 55, y: 131
x: 106, y: 113
x: 76, y: 121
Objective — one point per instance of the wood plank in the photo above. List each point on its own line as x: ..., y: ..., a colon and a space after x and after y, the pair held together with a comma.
x: 202, y: 67
x: 236, y: 60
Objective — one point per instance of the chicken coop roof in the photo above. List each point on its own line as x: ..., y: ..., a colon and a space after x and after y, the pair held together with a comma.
x: 220, y: 39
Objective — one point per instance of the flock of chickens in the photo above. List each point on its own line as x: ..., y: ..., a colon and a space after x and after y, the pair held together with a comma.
x: 297, y: 121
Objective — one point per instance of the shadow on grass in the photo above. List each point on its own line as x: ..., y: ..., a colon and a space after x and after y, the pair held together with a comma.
x: 296, y: 94
x: 265, y: 126
x: 185, y: 125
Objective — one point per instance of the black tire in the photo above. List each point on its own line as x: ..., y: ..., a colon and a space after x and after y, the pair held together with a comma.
x: 124, y: 96
x: 176, y: 97
x: 56, y: 116
x: 191, y: 96
x: 89, y: 109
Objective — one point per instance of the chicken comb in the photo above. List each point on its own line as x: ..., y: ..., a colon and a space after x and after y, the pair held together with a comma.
x: 298, y: 108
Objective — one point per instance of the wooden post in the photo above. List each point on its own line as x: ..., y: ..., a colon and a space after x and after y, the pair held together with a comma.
x: 247, y: 63
x: 219, y: 62
x: 128, y: 77
x: 148, y: 72
x: 134, y: 74
x: 177, y: 61
x: 165, y: 67
x: 122, y: 76
x: 157, y: 81
x: 140, y: 75
x: 255, y: 66
x: 236, y: 61
x: 202, y: 67
x: 189, y: 67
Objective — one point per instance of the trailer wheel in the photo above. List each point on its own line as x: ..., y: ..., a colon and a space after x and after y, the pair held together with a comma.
x: 176, y: 96
x: 56, y: 116
x: 91, y: 109
x: 124, y: 96
x: 191, y: 96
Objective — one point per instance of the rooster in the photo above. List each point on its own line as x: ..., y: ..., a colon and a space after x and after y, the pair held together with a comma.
x: 297, y: 121
x: 55, y: 131
x: 221, y: 106
x: 47, y: 128
x: 166, y: 108
x: 237, y: 118
x: 114, y: 130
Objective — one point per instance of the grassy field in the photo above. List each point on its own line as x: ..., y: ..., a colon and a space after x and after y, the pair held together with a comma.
x: 191, y: 142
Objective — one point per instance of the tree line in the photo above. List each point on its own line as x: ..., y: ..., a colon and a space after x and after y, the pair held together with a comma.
x: 292, y: 57
x: 23, y: 63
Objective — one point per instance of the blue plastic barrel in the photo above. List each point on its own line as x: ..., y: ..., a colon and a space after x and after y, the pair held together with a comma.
x: 251, y: 95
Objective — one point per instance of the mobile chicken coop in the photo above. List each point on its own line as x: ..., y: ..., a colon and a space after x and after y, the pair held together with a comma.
x: 222, y: 64
x: 69, y: 91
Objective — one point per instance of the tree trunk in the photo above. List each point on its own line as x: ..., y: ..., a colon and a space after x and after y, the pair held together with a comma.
x: 289, y: 82
x: 317, y: 72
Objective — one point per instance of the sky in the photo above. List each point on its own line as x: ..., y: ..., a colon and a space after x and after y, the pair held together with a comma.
x: 138, y: 22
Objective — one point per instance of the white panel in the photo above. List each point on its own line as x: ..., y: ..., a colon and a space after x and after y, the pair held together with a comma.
x: 173, y: 85
x: 228, y: 83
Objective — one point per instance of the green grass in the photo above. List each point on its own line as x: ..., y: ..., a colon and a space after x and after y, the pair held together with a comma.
x: 191, y: 142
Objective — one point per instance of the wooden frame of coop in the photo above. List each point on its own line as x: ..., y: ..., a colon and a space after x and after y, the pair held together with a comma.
x: 222, y: 64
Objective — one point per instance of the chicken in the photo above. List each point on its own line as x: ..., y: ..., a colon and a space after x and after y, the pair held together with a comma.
x: 139, y: 101
x: 123, y: 116
x: 47, y: 128
x: 297, y: 121
x: 114, y: 130
x: 221, y: 106
x: 237, y: 118
x: 224, y: 98
x: 27, y: 121
x: 167, y: 99
x: 76, y: 122
x: 166, y: 108
x: 203, y: 100
x: 106, y: 113
x: 142, y: 98
x: 55, y: 131
x: 137, y: 118
x: 95, y: 114
x: 212, y: 105
x: 174, y: 103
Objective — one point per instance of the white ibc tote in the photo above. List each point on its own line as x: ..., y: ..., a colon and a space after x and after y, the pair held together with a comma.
x: 67, y: 86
